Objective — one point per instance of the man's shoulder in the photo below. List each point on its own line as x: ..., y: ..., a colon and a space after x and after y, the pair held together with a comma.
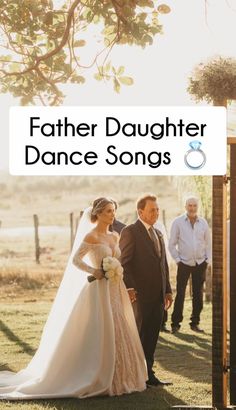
x: 129, y: 228
x: 179, y: 219
x: 117, y: 226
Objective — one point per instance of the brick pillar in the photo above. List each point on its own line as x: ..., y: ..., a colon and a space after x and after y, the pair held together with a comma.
x: 233, y: 274
x: 219, y: 294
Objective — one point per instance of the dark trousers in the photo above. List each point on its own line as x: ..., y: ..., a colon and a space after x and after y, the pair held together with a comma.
x: 165, y: 318
x: 149, y: 319
x: 198, y: 274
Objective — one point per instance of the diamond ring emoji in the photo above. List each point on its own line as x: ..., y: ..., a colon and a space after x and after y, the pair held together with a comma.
x: 195, y: 158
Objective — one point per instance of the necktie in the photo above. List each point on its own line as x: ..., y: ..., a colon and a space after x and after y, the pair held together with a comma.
x: 155, y: 241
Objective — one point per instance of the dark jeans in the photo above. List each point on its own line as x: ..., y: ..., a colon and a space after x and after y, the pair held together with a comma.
x: 165, y: 318
x: 198, y: 273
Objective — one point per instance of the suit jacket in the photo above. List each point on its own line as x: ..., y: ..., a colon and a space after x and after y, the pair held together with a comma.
x: 117, y: 226
x: 143, y: 269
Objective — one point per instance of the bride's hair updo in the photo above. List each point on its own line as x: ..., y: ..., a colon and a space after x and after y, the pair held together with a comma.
x: 98, y: 206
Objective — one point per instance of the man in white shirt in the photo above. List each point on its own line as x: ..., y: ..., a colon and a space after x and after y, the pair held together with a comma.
x: 190, y: 247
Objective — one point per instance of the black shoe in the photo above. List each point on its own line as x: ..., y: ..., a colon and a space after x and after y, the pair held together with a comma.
x: 196, y: 328
x: 164, y: 329
x: 175, y: 328
x: 154, y: 381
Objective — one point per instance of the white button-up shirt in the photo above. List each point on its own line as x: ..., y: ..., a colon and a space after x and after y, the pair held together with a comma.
x: 189, y: 243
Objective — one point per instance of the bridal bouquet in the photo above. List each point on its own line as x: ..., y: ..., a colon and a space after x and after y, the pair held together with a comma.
x: 112, y: 269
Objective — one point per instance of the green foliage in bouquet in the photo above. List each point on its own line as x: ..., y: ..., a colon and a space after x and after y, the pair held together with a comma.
x: 43, y: 40
x: 214, y: 81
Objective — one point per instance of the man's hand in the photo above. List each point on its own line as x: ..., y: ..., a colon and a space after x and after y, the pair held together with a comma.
x: 168, y: 300
x: 132, y: 294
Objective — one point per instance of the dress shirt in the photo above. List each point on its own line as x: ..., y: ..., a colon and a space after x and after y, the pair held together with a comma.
x: 190, y: 244
x: 147, y: 226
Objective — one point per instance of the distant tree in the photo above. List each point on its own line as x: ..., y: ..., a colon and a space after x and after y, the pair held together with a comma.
x: 43, y: 39
x: 199, y: 186
x: 214, y: 81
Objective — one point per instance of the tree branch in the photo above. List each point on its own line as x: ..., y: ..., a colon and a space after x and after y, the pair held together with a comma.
x: 56, y: 49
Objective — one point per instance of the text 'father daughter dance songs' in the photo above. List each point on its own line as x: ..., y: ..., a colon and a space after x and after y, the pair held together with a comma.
x: 113, y: 126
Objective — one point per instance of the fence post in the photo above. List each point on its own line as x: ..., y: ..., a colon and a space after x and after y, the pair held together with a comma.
x: 164, y: 218
x: 71, y: 229
x: 36, y: 238
x: 77, y: 219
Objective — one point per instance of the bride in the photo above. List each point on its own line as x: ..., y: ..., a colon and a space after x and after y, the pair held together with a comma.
x: 90, y: 344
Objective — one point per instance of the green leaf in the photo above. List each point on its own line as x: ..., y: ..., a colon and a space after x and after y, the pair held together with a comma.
x: 96, y: 19
x: 48, y: 18
x: 14, y: 67
x: 127, y: 11
x: 126, y: 80
x: 101, y: 69
x: 120, y: 70
x: 143, y: 16
x: 79, y: 43
x: 27, y: 41
x: 79, y: 79
x: 49, y: 61
x: 145, y: 3
x: 6, y: 58
x: 98, y: 77
x: 66, y: 68
x: 116, y: 86
x: 148, y: 39
x: 108, y: 67
x: 164, y: 9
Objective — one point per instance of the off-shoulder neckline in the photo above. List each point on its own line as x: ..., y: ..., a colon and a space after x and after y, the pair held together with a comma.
x: 102, y: 244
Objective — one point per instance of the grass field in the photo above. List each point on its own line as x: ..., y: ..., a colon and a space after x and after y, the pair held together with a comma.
x: 184, y: 358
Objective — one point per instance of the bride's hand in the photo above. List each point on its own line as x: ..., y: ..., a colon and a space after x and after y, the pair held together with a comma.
x: 98, y: 274
x: 132, y: 295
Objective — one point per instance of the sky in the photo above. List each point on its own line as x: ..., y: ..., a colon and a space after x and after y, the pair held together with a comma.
x: 191, y: 34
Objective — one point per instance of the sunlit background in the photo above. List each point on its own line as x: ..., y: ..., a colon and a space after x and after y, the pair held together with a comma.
x: 193, y: 32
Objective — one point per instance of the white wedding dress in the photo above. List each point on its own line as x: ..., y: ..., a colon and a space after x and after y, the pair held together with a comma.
x: 97, y: 350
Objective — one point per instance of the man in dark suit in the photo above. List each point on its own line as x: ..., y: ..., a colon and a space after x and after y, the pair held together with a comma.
x: 146, y: 276
x: 117, y: 225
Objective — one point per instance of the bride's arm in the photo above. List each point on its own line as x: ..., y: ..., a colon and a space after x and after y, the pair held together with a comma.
x: 79, y: 263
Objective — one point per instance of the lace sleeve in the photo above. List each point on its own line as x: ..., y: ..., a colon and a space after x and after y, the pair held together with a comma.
x: 78, y: 259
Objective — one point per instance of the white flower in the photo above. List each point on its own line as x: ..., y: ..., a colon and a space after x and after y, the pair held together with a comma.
x: 106, y: 263
x: 113, y: 269
x: 110, y: 274
x: 120, y: 270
